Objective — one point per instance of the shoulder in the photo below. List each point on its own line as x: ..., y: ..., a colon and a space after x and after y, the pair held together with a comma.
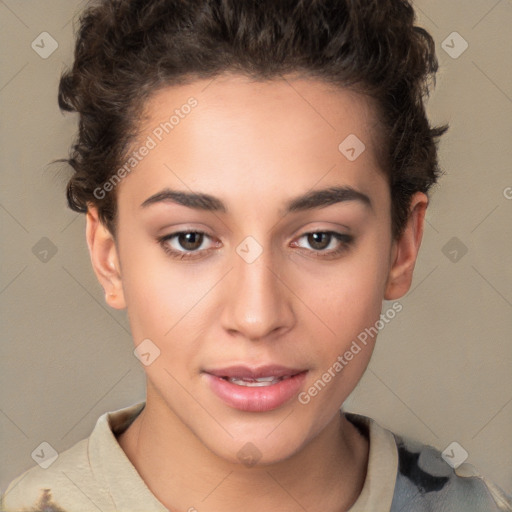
x: 83, y: 477
x: 427, y: 481
x: 67, y: 484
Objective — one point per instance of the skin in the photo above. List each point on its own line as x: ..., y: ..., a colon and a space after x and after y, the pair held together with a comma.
x: 254, y: 145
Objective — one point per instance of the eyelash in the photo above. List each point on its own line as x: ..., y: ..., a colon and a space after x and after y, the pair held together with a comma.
x: 345, y: 242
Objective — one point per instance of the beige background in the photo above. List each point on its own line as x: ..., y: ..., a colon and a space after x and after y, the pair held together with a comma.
x: 441, y: 371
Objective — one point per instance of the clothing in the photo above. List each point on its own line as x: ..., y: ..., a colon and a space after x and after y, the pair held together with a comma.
x: 402, y: 476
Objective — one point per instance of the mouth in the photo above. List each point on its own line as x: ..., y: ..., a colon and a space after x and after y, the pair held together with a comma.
x: 256, y: 373
x: 255, y: 389
x: 252, y: 383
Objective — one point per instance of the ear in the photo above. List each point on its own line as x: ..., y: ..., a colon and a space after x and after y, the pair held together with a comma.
x: 104, y: 258
x: 405, y: 249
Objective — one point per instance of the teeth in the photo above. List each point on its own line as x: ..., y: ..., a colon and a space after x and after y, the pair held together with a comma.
x: 259, y: 382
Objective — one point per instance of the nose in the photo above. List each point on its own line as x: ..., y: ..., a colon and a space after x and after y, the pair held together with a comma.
x: 257, y: 299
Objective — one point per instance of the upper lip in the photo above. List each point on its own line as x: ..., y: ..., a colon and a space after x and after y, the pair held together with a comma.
x: 255, y: 373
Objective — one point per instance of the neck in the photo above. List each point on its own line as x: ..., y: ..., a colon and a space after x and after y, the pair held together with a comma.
x: 327, y: 474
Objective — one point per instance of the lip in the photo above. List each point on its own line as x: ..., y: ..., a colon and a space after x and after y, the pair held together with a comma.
x: 247, y: 372
x: 255, y: 399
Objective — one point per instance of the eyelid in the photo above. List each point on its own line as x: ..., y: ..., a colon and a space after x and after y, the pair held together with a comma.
x: 175, y: 234
x: 344, y: 240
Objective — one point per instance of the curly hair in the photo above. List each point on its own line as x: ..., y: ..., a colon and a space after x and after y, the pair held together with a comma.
x: 126, y: 50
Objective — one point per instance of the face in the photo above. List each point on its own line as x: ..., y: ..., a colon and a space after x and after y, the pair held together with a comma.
x: 287, y: 258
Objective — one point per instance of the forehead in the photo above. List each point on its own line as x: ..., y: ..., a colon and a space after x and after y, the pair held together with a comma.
x: 269, y: 106
x: 249, y: 136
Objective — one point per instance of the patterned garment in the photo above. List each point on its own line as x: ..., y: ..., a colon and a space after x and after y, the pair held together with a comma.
x: 402, y: 476
x: 425, y: 482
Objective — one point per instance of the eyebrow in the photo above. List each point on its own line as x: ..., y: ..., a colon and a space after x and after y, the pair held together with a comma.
x: 309, y: 201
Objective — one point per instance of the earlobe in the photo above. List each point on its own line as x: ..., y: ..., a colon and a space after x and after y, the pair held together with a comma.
x: 405, y: 250
x: 104, y: 258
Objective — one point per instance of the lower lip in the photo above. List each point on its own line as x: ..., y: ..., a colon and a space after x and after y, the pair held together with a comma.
x: 256, y: 399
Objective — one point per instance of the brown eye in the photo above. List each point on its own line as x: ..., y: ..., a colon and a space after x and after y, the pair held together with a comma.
x: 185, y: 244
x: 190, y: 241
x: 326, y: 244
x: 318, y: 240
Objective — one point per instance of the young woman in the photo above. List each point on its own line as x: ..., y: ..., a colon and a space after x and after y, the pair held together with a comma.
x: 255, y: 176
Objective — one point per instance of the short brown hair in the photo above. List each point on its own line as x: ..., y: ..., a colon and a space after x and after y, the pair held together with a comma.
x: 127, y: 49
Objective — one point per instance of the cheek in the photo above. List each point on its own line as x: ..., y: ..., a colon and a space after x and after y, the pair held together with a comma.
x: 347, y: 294
x: 347, y: 299
x: 152, y: 290
x: 166, y: 302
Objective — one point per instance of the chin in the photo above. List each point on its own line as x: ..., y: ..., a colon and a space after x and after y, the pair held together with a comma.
x: 257, y: 445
